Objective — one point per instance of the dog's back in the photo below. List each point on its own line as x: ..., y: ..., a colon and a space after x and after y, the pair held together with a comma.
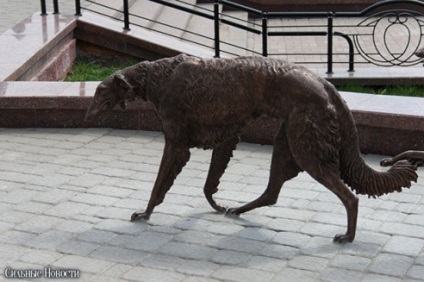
x: 224, y: 96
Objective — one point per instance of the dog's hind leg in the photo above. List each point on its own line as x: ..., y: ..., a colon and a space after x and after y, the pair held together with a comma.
x: 331, y: 180
x: 220, y: 158
x: 173, y: 160
x: 316, y: 151
x: 283, y: 168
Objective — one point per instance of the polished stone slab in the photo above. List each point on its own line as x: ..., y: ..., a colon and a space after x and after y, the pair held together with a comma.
x: 24, y: 44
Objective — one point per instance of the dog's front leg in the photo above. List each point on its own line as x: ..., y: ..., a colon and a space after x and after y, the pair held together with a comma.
x: 173, y: 160
x: 220, y: 158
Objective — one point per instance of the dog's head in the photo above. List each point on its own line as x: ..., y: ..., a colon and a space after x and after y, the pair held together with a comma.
x: 112, y: 91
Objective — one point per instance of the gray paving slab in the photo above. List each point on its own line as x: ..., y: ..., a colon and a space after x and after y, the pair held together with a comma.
x: 78, y: 216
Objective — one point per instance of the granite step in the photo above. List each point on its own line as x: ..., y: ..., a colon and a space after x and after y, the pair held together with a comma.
x: 180, y: 24
x: 145, y: 12
x: 200, y: 29
x: 232, y: 38
x: 172, y: 21
x: 108, y: 8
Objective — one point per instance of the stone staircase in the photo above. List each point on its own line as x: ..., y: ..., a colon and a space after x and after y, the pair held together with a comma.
x: 183, y: 25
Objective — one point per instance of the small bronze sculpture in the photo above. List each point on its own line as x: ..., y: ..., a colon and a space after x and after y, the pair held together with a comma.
x: 207, y: 103
x: 414, y: 157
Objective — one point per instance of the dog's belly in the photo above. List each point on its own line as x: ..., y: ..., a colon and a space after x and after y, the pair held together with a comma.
x: 210, y: 136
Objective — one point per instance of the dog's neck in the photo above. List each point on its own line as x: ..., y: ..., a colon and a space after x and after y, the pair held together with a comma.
x: 151, y: 86
x: 151, y: 81
x: 149, y: 69
x: 141, y: 87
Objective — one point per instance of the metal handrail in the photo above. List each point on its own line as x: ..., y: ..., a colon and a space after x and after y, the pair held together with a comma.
x: 266, y: 31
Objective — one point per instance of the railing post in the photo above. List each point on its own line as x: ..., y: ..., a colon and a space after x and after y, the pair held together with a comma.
x: 78, y: 8
x: 264, y: 34
x: 330, y: 43
x: 55, y: 7
x: 43, y: 8
x: 216, y: 28
x: 126, y: 15
x: 351, y: 58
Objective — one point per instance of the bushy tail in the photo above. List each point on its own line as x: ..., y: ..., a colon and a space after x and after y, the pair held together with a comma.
x: 354, y: 171
x: 364, y: 180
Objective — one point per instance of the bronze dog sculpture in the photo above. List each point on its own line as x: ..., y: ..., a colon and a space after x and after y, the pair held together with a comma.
x: 207, y: 103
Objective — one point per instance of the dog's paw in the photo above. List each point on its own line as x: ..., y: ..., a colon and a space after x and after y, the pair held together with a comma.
x: 232, y: 212
x: 343, y: 238
x: 140, y: 215
x: 221, y: 209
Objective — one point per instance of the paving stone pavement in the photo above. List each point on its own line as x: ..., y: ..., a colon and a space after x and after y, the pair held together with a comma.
x: 66, y: 196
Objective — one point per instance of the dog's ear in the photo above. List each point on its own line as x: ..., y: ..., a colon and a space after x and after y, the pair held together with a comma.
x: 121, y: 81
x: 127, y: 92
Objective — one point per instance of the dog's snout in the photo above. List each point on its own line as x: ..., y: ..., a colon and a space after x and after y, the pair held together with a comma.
x: 92, y: 112
x: 89, y: 116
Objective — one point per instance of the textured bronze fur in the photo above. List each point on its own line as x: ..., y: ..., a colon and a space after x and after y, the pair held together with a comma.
x: 206, y: 103
x: 414, y: 157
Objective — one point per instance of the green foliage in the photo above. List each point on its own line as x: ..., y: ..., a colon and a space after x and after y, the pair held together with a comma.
x: 94, y: 68
x: 397, y: 90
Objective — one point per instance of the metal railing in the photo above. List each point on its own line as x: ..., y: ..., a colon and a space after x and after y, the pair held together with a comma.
x: 361, y: 37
